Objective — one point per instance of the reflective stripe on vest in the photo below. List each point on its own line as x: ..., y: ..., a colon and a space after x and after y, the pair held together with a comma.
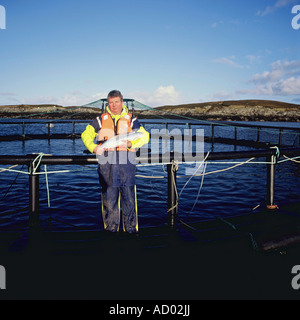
x: 108, y: 129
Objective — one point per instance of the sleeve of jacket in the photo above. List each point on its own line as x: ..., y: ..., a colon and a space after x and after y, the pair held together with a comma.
x: 88, y: 136
x: 144, y: 140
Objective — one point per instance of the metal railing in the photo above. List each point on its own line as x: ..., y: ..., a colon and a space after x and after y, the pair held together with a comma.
x: 280, y: 130
x: 271, y: 156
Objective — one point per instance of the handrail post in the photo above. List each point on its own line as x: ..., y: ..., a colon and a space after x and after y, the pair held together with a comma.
x: 49, y: 129
x: 33, y: 196
x: 73, y: 130
x: 23, y: 130
x: 258, y: 134
x: 172, y: 196
x: 271, y: 182
x: 280, y: 137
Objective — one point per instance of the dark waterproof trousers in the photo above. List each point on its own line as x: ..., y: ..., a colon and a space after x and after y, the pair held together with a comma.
x: 119, y: 203
x: 113, y: 200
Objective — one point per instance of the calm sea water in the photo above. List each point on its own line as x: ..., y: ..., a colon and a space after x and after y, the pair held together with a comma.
x: 75, y: 195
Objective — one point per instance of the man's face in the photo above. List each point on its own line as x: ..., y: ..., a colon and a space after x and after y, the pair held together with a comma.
x: 115, y: 105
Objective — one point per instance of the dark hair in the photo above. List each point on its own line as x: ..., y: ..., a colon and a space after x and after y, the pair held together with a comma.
x: 115, y: 94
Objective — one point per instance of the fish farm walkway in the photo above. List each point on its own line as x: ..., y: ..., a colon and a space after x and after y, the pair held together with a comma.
x: 247, y: 257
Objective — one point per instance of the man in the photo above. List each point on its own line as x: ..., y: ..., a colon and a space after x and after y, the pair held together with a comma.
x: 116, y: 167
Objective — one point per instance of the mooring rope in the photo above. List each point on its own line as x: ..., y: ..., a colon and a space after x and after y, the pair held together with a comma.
x: 39, y: 159
x: 290, y: 159
x: 47, y: 186
x: 194, y: 173
x: 200, y: 188
x: 174, y: 168
x: 10, y: 184
x: 8, y: 169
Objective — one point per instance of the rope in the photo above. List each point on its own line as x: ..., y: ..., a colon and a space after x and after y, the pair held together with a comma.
x: 174, y: 168
x: 47, y: 185
x: 253, y: 242
x: 194, y: 173
x: 39, y: 159
x: 200, y: 188
x: 277, y: 155
x: 8, y: 169
x: 10, y: 185
x: 291, y: 159
x: 227, y: 222
x: 63, y: 171
x: 222, y: 170
x: 150, y: 177
x: 187, y: 225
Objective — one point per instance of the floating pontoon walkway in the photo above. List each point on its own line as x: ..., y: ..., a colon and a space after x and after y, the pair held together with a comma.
x: 219, y: 259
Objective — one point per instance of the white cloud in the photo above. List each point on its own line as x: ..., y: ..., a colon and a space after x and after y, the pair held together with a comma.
x: 283, y: 79
x: 8, y: 94
x: 75, y: 98
x: 228, y: 61
x: 221, y: 96
x: 283, y: 87
x: 9, y: 98
x: 277, y: 5
x: 290, y: 86
x: 163, y: 95
x: 253, y: 59
x: 217, y: 23
x: 279, y: 70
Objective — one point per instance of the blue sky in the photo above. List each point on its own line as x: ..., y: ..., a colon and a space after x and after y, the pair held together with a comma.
x: 159, y: 52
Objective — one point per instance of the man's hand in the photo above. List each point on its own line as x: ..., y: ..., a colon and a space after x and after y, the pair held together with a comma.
x: 98, y: 150
x: 126, y: 144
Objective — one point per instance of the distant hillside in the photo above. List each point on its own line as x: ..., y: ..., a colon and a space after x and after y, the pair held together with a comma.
x: 242, y: 110
x: 47, y: 111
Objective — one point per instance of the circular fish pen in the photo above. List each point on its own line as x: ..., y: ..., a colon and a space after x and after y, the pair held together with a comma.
x: 202, y: 186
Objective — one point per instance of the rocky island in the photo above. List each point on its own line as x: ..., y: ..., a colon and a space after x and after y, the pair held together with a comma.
x: 235, y: 110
